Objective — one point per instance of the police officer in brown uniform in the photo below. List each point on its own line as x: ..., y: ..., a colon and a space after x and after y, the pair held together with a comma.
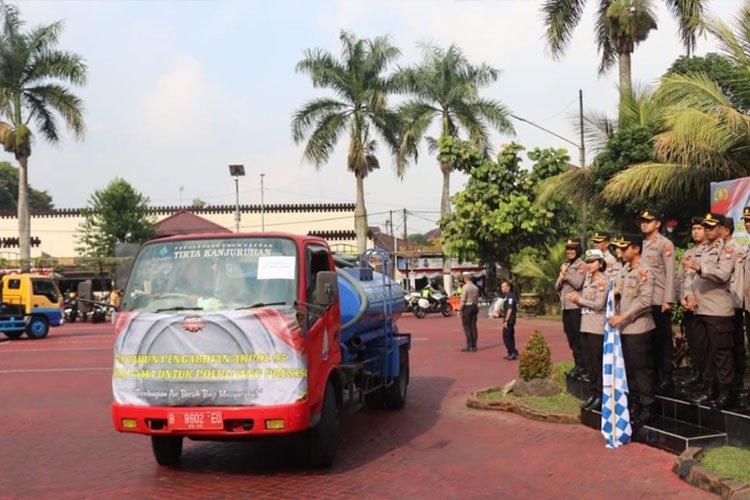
x: 636, y: 323
x: 572, y: 274
x: 686, y: 276
x: 736, y: 288
x: 659, y: 253
x: 714, y: 313
x: 616, y: 275
x: 593, y: 303
x: 601, y: 242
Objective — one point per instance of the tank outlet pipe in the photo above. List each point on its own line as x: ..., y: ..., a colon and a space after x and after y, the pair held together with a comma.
x: 361, y: 339
x: 363, y: 302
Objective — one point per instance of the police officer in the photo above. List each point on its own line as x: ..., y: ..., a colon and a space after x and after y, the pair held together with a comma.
x: 636, y: 324
x: 616, y: 275
x: 593, y: 303
x: 468, y: 310
x: 736, y: 287
x: 714, y: 313
x: 659, y: 253
x: 686, y: 276
x: 572, y: 274
x: 601, y: 242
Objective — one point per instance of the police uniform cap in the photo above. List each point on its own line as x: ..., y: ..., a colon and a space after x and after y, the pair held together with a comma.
x: 633, y: 239
x: 649, y: 215
x: 713, y: 220
x: 729, y: 222
x: 600, y: 236
x: 696, y: 221
x: 573, y: 243
x: 619, y: 241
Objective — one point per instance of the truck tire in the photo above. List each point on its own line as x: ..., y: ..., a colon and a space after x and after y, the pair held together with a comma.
x: 167, y: 449
x: 37, y: 328
x: 395, y: 394
x: 13, y: 335
x: 322, y: 439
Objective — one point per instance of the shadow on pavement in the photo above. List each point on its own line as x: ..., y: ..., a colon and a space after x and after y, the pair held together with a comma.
x: 364, y: 437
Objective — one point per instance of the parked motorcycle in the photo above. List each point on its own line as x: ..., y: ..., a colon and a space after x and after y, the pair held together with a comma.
x: 411, y: 300
x: 436, y: 302
x: 70, y: 310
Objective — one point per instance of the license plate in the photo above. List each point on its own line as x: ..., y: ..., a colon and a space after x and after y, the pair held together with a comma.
x: 191, y: 420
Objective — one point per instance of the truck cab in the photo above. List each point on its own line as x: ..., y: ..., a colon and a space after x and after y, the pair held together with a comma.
x: 240, y: 336
x: 31, y: 304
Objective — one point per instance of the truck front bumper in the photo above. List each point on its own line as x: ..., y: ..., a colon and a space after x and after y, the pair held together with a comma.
x: 237, y: 421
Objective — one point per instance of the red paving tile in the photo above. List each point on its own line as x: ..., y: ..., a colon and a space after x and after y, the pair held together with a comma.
x: 57, y: 440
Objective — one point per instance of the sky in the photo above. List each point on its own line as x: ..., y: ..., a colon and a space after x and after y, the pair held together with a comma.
x: 178, y: 90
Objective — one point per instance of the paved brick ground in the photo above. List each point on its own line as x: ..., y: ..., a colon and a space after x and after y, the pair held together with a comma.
x: 57, y: 440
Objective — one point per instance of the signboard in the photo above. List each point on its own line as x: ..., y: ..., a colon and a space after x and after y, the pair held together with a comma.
x: 250, y: 358
x: 730, y: 198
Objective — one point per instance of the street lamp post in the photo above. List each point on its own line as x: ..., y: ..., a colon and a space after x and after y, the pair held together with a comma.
x: 237, y: 170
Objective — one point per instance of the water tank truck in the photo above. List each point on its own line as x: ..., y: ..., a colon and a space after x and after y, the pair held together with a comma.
x: 254, y: 335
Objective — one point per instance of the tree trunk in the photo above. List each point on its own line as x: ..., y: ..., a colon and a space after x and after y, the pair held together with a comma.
x: 626, y: 86
x: 445, y: 210
x: 360, y: 215
x: 24, y: 219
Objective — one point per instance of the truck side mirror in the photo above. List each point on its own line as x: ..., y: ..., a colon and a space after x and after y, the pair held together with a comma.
x: 326, y: 288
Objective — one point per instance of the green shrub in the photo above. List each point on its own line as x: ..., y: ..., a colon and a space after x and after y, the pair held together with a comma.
x: 536, y: 361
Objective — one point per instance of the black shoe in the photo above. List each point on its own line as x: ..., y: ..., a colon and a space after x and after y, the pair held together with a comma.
x: 644, y: 417
x: 588, y: 402
x: 721, y: 403
x: 570, y: 372
x: 704, y: 396
x: 666, y: 386
x: 511, y: 357
x: 694, y: 379
x: 474, y: 349
x: 579, y: 373
x: 595, y: 405
x: 466, y: 349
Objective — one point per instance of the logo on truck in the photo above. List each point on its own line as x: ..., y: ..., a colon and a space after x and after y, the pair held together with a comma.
x: 193, y: 324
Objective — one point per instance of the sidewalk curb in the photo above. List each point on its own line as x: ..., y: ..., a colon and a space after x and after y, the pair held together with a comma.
x: 688, y: 467
x: 474, y: 401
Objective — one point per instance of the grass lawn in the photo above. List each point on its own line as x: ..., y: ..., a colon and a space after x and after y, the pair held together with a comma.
x: 560, y: 403
x: 729, y: 461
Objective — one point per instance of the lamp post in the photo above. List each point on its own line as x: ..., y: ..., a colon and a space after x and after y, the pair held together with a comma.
x: 262, y: 206
x: 236, y: 170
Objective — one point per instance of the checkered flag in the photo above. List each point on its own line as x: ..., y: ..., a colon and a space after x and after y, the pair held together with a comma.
x: 615, y: 414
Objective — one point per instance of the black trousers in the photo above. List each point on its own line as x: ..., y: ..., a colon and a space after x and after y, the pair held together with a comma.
x: 738, y: 349
x: 636, y: 348
x: 694, y: 351
x: 592, y: 345
x: 715, y: 335
x: 661, y: 343
x: 572, y: 328
x: 509, y: 338
x: 469, y: 321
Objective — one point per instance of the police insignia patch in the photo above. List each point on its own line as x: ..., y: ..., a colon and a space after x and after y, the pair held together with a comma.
x: 668, y: 249
x: 644, y: 275
x: 602, y: 286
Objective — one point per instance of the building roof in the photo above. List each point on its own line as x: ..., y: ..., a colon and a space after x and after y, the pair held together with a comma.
x: 185, y: 222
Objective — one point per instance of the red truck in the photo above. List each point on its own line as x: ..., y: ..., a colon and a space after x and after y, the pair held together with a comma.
x: 254, y: 334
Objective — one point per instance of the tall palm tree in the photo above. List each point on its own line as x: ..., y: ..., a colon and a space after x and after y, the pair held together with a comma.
x: 33, y: 74
x: 620, y: 26
x: 445, y: 88
x: 360, y: 108
x: 705, y: 138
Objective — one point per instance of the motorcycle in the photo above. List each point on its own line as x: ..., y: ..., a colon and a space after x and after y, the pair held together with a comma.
x: 70, y: 310
x: 411, y: 300
x: 436, y: 302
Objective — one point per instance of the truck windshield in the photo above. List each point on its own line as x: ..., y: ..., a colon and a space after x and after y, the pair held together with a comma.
x: 213, y: 275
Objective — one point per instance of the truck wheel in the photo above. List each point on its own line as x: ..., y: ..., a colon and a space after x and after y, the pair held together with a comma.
x: 13, y: 335
x: 395, y: 395
x: 323, y: 438
x: 420, y: 312
x: 447, y: 309
x: 167, y: 449
x: 37, y: 328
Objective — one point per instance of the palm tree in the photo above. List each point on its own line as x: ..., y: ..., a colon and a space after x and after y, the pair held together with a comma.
x: 705, y: 138
x: 446, y: 86
x: 620, y: 26
x: 32, y: 90
x: 360, y: 107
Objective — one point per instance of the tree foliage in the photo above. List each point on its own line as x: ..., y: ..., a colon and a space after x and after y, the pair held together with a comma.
x: 732, y: 81
x: 115, y: 214
x: 38, y: 200
x: 495, y: 216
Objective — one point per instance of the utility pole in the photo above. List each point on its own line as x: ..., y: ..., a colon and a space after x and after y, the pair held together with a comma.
x: 582, y: 155
x: 262, y: 206
x: 406, y: 235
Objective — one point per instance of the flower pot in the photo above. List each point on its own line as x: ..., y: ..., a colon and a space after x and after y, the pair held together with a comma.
x: 529, y: 303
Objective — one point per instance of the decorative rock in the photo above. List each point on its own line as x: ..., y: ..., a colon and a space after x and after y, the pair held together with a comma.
x: 705, y: 479
x: 743, y: 494
x: 509, y: 387
x: 536, y: 387
x: 730, y: 487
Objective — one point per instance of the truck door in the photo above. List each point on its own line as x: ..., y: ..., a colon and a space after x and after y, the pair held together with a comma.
x: 325, y: 330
